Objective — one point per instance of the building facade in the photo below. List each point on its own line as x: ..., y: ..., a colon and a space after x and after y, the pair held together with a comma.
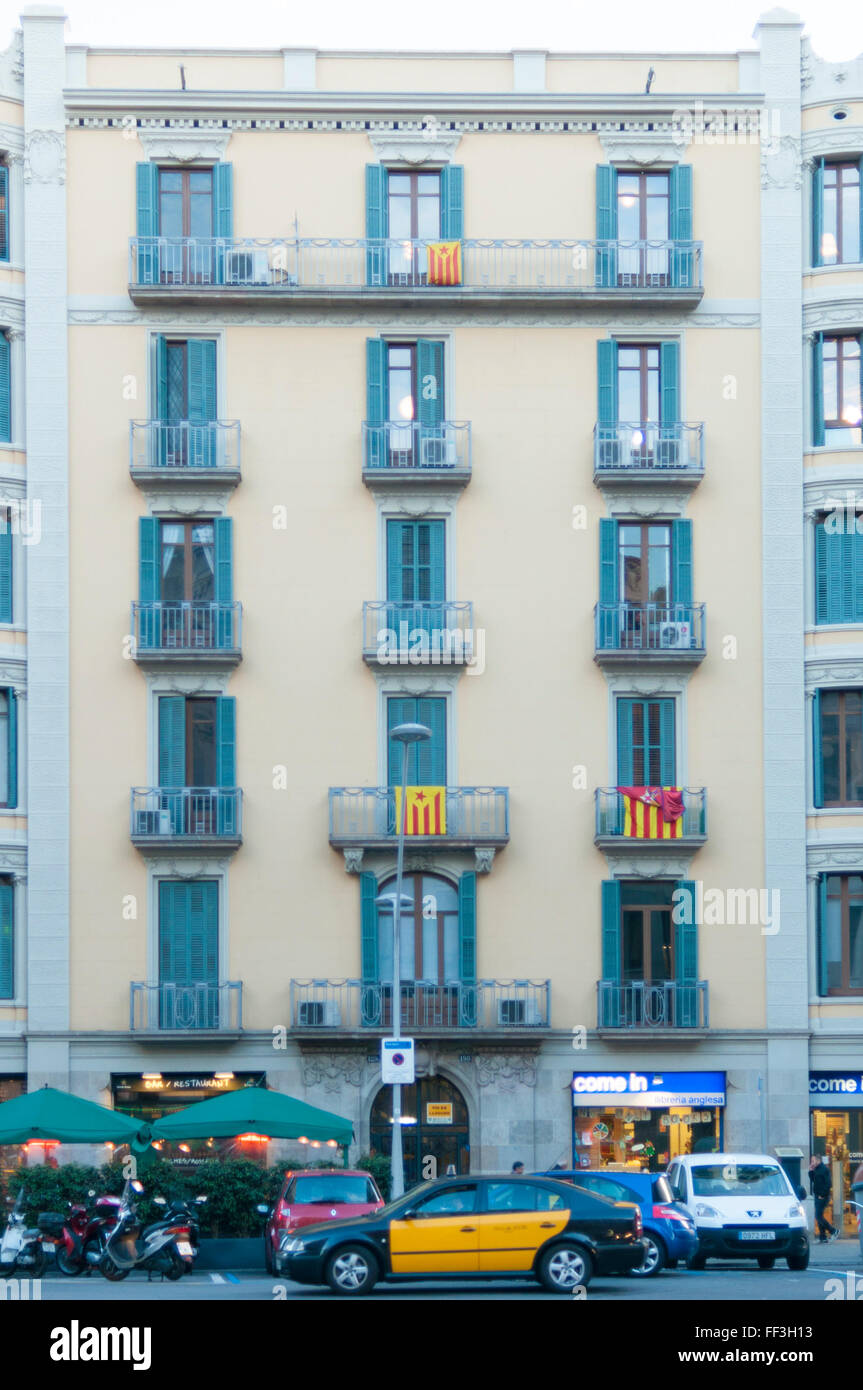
x: 489, y: 391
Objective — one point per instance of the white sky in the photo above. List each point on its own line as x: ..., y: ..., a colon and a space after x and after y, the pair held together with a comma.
x: 835, y: 26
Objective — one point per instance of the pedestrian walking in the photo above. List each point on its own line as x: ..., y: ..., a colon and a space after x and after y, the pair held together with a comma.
x: 518, y: 1167
x: 822, y: 1187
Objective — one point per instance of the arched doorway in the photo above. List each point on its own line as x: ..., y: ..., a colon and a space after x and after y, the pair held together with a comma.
x: 438, y: 1127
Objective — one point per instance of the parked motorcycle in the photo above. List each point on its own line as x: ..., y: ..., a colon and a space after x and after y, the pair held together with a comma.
x: 182, y: 1209
x: 21, y: 1245
x: 79, y: 1232
x: 163, y: 1247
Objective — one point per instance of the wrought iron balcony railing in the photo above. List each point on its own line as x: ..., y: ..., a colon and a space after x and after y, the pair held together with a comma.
x: 660, y: 629
x: 181, y: 1008
x: 642, y: 1004
x: 186, y: 629
x: 611, y: 816
x: 293, y: 265
x: 395, y: 447
x: 658, y: 449
x: 485, y: 1005
x: 193, y: 814
x: 418, y: 634
x: 155, y: 446
x: 363, y: 816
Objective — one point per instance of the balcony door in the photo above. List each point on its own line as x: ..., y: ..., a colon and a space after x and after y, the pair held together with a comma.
x: 186, y: 217
x: 643, y: 216
x: 430, y: 954
x: 416, y: 576
x: 644, y: 569
x: 649, y: 959
x: 197, y: 764
x: 186, y: 401
x: 427, y: 761
x: 413, y: 214
x: 187, y: 576
x: 188, y: 954
x: 414, y: 397
x: 645, y: 743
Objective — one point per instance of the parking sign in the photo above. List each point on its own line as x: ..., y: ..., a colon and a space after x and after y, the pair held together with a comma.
x: 397, y: 1061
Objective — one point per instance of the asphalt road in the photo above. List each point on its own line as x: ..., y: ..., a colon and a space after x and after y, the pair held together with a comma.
x: 727, y: 1282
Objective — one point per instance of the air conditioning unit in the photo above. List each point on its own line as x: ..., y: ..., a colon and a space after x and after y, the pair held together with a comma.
x: 152, y: 822
x: 247, y: 267
x: 438, y: 453
x: 609, y: 453
x: 675, y: 635
x: 667, y: 453
x: 319, y: 1013
x: 518, y: 1013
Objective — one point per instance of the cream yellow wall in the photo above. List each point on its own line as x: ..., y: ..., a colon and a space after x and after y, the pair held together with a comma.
x: 11, y: 112
x: 204, y: 72
x: 677, y: 74
x: 305, y: 699
x: 820, y: 118
x: 417, y: 73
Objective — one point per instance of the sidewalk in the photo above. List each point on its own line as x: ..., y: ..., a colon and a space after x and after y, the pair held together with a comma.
x: 836, y: 1254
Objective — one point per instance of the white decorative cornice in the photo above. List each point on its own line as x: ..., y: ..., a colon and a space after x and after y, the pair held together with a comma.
x: 185, y: 866
x: 839, y: 310
x: 830, y: 82
x: 184, y: 144
x: 844, y: 671
x: 644, y: 147
x: 14, y: 673
x: 835, y: 857
x: 829, y: 495
x: 185, y: 683
x: 13, y: 861
x: 12, y: 68
x: 649, y: 503
x: 45, y: 157
x: 430, y: 145
x: 162, y: 501
x: 646, y: 865
x: 840, y: 138
x: 12, y: 142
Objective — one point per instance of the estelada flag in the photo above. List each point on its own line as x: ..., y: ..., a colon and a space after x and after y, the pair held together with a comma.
x: 444, y: 262
x: 425, y: 810
x: 652, y: 813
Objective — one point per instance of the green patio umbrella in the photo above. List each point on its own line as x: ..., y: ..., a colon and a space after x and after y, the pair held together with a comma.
x: 51, y: 1114
x: 253, y: 1110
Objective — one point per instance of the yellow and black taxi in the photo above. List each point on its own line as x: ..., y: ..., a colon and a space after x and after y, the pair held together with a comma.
x: 473, y: 1228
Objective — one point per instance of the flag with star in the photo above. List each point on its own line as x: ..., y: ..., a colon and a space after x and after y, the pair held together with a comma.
x: 652, y: 813
x: 425, y: 810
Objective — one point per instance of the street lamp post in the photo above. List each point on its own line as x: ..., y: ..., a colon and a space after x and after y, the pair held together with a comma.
x: 405, y: 734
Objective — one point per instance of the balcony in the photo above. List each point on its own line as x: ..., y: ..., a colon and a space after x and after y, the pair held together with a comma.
x: 640, y: 1006
x: 472, y: 817
x: 163, y: 454
x: 314, y: 271
x: 192, y: 633
x: 193, y: 818
x: 198, y: 1008
x: 418, y: 634
x: 629, y: 453
x: 688, y: 832
x: 417, y: 454
x: 649, y: 634
x: 488, y: 1006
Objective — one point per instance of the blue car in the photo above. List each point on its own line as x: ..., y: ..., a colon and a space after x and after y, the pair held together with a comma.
x: 669, y: 1231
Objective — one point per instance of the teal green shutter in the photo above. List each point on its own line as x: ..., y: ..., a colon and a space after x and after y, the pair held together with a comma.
x: 681, y: 548
x: 609, y: 997
x: 429, y: 757
x: 161, y: 378
x: 430, y: 378
x: 686, y: 961
x: 823, y: 953
x: 606, y: 380
x: 5, y: 390
x: 368, y: 929
x: 203, y: 405
x: 149, y: 591
x: 818, y: 210
x: 607, y: 624
x: 377, y: 218
x: 223, y: 200
x: 147, y: 203
x: 226, y: 764
x: 669, y: 377
x: 606, y: 225
x: 189, y: 953
x: 377, y: 404
x: 399, y: 711
x: 7, y: 939
x: 818, y: 390
x: 680, y: 225
x: 172, y: 741
x: 625, y: 764
x: 667, y: 750
x: 467, y: 1013
x: 395, y: 585
x: 825, y: 592
x: 5, y: 566
x: 4, y: 215
x: 223, y: 532
x: 12, y: 752
x: 452, y: 202
x: 817, y: 752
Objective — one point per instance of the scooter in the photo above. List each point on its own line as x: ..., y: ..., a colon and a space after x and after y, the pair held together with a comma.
x: 79, y: 1233
x: 182, y: 1210
x: 160, y: 1248
x: 21, y: 1245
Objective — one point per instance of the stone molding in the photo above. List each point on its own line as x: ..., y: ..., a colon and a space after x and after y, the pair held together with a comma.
x: 204, y: 144
x: 45, y: 157
x: 644, y: 147
x: 431, y: 145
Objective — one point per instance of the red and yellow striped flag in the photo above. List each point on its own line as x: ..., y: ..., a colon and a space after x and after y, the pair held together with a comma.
x: 444, y: 262
x: 652, y: 813
x: 425, y: 810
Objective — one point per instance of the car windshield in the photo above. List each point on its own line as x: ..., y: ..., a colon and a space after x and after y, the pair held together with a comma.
x: 330, y: 1191
x: 738, y: 1180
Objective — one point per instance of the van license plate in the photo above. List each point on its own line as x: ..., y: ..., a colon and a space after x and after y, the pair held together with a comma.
x: 757, y: 1235
x: 183, y: 1247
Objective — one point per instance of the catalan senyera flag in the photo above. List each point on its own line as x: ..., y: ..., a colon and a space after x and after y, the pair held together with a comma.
x: 652, y: 813
x: 444, y: 262
x: 425, y: 810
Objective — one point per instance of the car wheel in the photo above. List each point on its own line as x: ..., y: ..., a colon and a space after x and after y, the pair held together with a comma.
x: 351, y: 1271
x: 798, y: 1261
x: 654, y: 1258
x: 766, y: 1261
x: 565, y: 1267
x: 696, y: 1261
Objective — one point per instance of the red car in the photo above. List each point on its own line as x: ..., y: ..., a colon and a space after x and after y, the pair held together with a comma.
x: 312, y: 1195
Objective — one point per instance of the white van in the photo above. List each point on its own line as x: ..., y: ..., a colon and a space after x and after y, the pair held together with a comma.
x: 743, y: 1206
